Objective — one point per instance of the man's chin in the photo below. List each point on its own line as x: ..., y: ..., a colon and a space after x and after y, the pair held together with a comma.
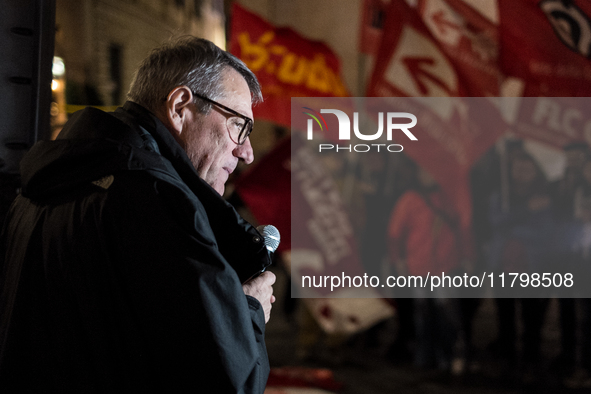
x: 216, y: 184
x: 220, y: 189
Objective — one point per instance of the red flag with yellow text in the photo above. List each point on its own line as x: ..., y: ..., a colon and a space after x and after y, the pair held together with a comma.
x: 285, y: 63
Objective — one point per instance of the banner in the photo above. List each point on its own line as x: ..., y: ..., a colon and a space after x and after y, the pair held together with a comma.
x: 323, y: 240
x: 324, y: 245
x: 547, y: 45
x: 555, y: 121
x: 285, y: 63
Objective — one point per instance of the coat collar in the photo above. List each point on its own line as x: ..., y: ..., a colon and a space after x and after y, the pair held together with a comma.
x: 234, y: 235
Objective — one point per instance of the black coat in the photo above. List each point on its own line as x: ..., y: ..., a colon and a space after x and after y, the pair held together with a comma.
x: 119, y: 269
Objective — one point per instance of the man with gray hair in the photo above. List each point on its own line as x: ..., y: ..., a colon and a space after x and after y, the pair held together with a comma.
x: 122, y: 267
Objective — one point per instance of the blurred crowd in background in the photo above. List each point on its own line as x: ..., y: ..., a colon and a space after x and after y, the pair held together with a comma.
x: 522, y: 222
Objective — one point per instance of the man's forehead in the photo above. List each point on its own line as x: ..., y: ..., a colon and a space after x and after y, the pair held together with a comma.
x: 235, y: 92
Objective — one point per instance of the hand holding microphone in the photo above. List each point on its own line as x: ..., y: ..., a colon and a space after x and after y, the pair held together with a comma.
x: 261, y: 286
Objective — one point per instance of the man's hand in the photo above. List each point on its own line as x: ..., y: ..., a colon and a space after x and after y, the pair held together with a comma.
x: 261, y: 288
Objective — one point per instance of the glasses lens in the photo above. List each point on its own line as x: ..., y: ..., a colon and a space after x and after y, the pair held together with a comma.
x: 236, y: 128
x: 246, y: 130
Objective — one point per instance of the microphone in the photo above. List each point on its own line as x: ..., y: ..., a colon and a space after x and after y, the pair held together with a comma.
x: 250, y: 269
x: 271, y: 240
x: 271, y: 236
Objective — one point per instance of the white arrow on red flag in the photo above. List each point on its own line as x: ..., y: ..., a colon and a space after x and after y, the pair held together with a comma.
x: 443, y: 24
x: 419, y: 74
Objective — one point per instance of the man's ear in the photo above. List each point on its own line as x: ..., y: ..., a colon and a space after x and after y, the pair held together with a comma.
x: 176, y: 108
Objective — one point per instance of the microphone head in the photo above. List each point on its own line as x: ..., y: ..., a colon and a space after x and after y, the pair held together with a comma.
x: 270, y: 235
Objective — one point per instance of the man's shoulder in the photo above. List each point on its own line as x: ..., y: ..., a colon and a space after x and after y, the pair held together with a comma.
x: 92, y: 123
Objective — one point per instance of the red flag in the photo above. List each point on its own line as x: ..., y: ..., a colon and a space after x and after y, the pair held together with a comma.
x: 412, y: 61
x: 449, y: 49
x: 469, y: 40
x: 547, y: 44
x: 286, y: 64
x: 409, y: 61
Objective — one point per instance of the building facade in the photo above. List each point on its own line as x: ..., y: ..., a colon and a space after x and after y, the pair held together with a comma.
x: 102, y: 42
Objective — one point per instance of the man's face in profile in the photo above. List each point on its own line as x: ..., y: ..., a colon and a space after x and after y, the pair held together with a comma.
x: 207, y: 142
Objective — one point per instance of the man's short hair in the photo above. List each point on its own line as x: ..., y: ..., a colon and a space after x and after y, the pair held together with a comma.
x: 190, y: 61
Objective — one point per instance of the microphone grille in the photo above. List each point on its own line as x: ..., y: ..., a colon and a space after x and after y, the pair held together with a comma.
x: 270, y: 235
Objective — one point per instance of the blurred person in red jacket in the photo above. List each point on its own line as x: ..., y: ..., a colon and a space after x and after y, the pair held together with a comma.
x: 425, y: 238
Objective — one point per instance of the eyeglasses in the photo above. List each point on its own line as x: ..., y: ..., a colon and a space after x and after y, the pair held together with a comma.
x: 239, y: 129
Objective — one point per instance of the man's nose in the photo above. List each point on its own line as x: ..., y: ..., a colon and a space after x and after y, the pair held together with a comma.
x: 244, y: 152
